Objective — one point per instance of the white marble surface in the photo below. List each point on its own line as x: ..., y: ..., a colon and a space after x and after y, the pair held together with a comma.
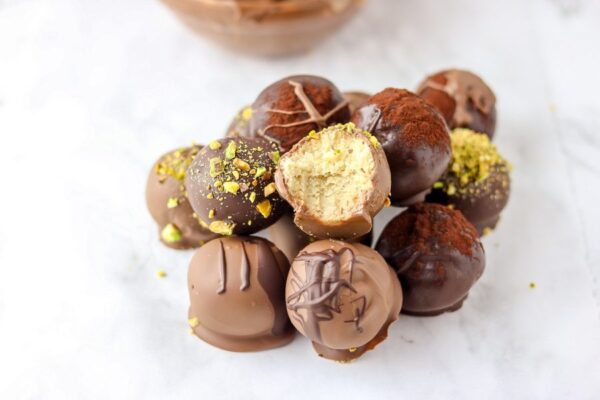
x: 92, y: 92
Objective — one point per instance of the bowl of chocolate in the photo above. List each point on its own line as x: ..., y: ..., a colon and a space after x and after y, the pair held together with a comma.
x: 265, y: 27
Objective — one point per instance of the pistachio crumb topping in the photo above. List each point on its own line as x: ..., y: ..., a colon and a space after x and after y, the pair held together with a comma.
x: 222, y: 227
x: 269, y: 189
x: 216, y: 166
x: 259, y: 172
x: 230, y: 150
x: 241, y: 164
x: 247, y: 113
x: 211, y: 213
x: 352, y: 349
x: 171, y: 233
x: 193, y: 322
x: 275, y: 156
x: 172, y: 202
x: 176, y: 163
x: 231, y: 187
x: 264, y: 208
x: 214, y: 145
x: 252, y: 197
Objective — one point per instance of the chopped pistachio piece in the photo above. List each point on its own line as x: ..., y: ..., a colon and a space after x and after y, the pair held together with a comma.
x: 270, y: 189
x: 264, y: 208
x: 241, y: 164
x: 275, y: 155
x: 231, y: 187
x: 216, y: 166
x: 247, y: 113
x: 259, y: 172
x: 210, y: 196
x: 221, y: 227
x: 170, y: 234
x: 214, y: 145
x: 211, y: 213
x: 172, y: 202
x: 193, y: 322
x: 252, y: 197
x: 235, y: 174
x: 230, y: 150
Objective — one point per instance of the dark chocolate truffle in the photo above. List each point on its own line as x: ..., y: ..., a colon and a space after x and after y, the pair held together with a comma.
x: 437, y: 255
x: 463, y: 98
x: 414, y: 137
x: 168, y: 203
x: 336, y: 180
x: 356, y: 100
x: 230, y: 185
x: 343, y: 297
x: 290, y: 108
x: 240, y: 124
x: 477, y: 182
x: 236, y: 287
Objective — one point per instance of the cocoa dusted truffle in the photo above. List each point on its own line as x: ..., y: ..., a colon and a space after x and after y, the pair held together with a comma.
x: 230, y: 185
x: 463, y: 98
x: 336, y: 180
x: 437, y: 255
x: 414, y: 137
x: 343, y: 297
x: 290, y: 108
x: 236, y: 287
x: 477, y: 182
x: 168, y: 203
x: 356, y: 100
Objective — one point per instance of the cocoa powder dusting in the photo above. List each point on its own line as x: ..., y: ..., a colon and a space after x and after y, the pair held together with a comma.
x: 420, y: 123
x: 424, y: 226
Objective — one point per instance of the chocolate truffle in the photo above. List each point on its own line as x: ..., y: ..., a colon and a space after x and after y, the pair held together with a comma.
x: 236, y: 286
x: 414, y: 137
x: 240, y: 125
x: 230, y: 185
x: 290, y: 108
x: 336, y: 180
x: 343, y: 297
x: 437, y: 255
x: 477, y: 182
x: 356, y: 100
x: 290, y: 239
x: 463, y: 98
x: 168, y: 203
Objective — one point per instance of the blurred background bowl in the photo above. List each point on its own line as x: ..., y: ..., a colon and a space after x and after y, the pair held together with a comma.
x: 265, y: 27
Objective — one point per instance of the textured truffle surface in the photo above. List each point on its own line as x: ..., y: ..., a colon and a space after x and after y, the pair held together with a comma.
x: 437, y: 255
x: 414, y: 137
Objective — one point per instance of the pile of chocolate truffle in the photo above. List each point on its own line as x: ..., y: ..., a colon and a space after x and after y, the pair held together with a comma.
x: 311, y: 167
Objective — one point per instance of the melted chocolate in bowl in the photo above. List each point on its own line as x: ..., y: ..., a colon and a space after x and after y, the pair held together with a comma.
x: 265, y: 27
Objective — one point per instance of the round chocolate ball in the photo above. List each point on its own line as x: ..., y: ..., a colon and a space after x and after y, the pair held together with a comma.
x: 414, y: 137
x: 463, y: 98
x: 230, y: 185
x: 240, y: 124
x: 477, y: 182
x: 236, y: 287
x: 343, y: 297
x: 290, y: 108
x: 437, y: 255
x: 356, y: 100
x: 168, y: 203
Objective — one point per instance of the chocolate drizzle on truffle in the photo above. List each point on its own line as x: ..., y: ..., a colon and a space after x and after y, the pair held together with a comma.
x: 222, y: 269
x: 245, y: 270
x: 320, y: 293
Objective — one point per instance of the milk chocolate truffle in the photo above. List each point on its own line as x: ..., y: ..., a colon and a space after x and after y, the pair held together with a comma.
x: 168, y: 203
x: 236, y: 287
x: 437, y: 255
x: 240, y: 125
x: 477, y: 181
x: 414, y: 137
x: 356, y: 100
x: 290, y: 239
x: 336, y: 180
x: 463, y: 98
x: 290, y: 108
x: 230, y: 185
x: 343, y: 297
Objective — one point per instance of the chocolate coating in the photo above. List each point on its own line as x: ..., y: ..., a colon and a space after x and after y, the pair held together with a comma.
x: 350, y: 220
x: 414, y: 137
x: 478, y: 182
x: 236, y: 287
x: 356, y: 100
x: 343, y: 297
x: 168, y: 204
x: 230, y: 185
x: 290, y: 108
x: 463, y: 98
x: 290, y: 239
x: 437, y: 255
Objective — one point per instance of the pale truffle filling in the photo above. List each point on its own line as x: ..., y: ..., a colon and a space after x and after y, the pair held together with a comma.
x: 331, y: 174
